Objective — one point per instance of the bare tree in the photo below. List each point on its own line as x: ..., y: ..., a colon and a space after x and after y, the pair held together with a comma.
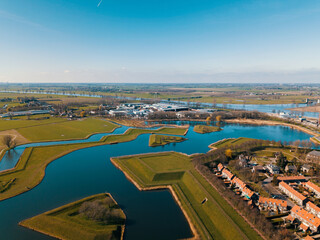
x: 9, y: 141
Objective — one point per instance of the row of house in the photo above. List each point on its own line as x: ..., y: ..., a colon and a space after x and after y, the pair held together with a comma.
x: 238, y: 183
x: 312, y: 208
x: 313, y: 187
x: 291, y: 179
x: 292, y: 193
x: 273, y: 204
x: 308, y: 220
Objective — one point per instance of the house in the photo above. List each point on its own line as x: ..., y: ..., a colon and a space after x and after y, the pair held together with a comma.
x: 243, y: 161
x: 238, y: 183
x: 290, y: 168
x: 274, y: 204
x: 227, y: 174
x: 307, y: 219
x: 312, y: 208
x: 259, y: 169
x: 313, y: 156
x: 292, y: 179
x: 220, y: 167
x: 249, y: 194
x: 273, y: 169
x: 308, y: 238
x: 306, y: 168
x: 289, y: 191
x: 313, y: 187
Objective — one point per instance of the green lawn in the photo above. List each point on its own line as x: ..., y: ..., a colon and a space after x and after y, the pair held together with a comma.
x: 160, y: 140
x: 6, y: 124
x: 215, y: 219
x: 67, y: 223
x: 230, y: 141
x: 74, y: 129
x: 133, y: 133
x: 205, y: 129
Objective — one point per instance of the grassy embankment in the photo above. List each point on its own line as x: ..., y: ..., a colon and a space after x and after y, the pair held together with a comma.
x: 24, y: 131
x: 229, y: 141
x: 160, y: 140
x: 205, y: 129
x: 67, y: 223
x: 215, y: 219
x: 64, y: 130
x: 30, y: 169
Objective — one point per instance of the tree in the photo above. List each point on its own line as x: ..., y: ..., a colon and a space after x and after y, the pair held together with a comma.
x: 9, y: 141
x: 228, y: 153
x: 218, y: 118
x: 82, y: 114
x: 275, y: 180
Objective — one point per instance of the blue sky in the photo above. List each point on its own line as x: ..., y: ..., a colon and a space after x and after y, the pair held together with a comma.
x: 159, y: 41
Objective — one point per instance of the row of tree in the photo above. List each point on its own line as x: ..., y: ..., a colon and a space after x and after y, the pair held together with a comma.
x: 251, y: 213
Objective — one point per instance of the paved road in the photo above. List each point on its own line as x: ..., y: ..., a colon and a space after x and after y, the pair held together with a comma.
x: 268, y: 186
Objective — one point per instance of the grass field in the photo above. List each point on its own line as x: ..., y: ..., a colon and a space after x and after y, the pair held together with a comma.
x: 205, y: 129
x: 6, y: 124
x: 215, y: 219
x: 160, y: 140
x: 67, y: 223
x: 30, y: 169
x: 229, y: 142
x: 67, y: 130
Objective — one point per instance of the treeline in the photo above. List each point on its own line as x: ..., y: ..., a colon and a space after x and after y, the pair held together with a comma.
x: 219, y: 155
x: 198, y: 115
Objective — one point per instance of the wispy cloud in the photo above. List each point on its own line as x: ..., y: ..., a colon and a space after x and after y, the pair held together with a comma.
x: 99, y: 3
x: 22, y: 20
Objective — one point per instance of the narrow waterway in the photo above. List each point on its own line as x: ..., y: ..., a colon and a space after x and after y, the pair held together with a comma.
x: 151, y: 215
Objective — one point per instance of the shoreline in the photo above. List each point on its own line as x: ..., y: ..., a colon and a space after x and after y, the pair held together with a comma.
x: 270, y: 123
x: 164, y: 187
x: 58, y: 237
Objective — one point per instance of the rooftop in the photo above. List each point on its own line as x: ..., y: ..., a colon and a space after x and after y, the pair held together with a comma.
x: 294, y: 192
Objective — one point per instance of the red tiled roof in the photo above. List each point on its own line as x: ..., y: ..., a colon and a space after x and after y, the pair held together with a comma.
x: 227, y: 172
x: 238, y: 182
x: 313, y: 206
x: 290, y: 218
x: 220, y: 166
x: 294, y: 192
x: 247, y: 192
x: 313, y: 186
x: 292, y: 178
x: 310, y: 218
x: 303, y: 227
x: 308, y: 238
x: 278, y: 202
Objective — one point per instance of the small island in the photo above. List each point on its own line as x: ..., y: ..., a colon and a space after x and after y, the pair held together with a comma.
x: 161, y: 140
x: 94, y: 217
x: 206, y: 129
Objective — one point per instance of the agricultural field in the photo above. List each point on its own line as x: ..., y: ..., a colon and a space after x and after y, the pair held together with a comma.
x: 213, y: 219
x: 70, y: 221
x: 160, y: 140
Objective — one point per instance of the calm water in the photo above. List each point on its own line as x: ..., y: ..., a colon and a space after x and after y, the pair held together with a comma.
x: 151, y: 215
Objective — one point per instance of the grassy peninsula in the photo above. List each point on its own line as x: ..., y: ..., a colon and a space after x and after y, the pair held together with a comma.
x: 94, y: 217
x: 215, y: 219
x: 206, y: 129
x: 160, y: 140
